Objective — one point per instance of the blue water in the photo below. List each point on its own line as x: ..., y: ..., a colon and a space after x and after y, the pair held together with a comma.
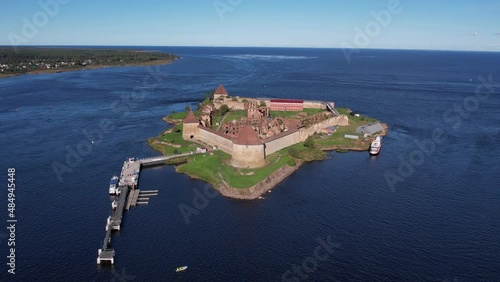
x: 440, y: 222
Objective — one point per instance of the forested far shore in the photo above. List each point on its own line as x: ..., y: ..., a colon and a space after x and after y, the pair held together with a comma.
x: 26, y: 60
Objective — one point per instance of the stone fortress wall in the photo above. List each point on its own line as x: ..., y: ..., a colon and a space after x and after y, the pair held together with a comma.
x: 314, y: 104
x: 253, y: 154
x: 308, y: 104
x: 302, y: 134
x: 240, y: 105
x: 215, y: 139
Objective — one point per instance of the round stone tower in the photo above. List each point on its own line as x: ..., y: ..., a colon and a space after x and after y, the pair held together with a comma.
x: 190, y: 127
x: 248, y: 150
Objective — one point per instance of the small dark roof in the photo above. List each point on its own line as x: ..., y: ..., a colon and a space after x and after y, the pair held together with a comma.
x: 190, y: 118
x: 247, y: 136
x: 286, y: 101
x: 220, y: 90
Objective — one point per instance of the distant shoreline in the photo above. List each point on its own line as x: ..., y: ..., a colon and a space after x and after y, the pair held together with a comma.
x: 47, y: 71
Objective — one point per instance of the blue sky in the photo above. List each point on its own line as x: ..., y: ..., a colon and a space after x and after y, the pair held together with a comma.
x: 416, y: 24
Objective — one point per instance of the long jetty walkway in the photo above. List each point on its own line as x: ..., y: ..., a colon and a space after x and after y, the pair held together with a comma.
x: 127, y: 189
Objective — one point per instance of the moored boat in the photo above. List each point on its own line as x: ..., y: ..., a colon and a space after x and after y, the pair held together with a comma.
x: 112, y: 185
x: 375, y: 146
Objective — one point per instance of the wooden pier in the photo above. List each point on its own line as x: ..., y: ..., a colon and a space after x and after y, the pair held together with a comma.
x: 128, y: 196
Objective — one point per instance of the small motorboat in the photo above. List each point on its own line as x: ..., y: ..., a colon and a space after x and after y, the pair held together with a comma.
x: 181, y: 268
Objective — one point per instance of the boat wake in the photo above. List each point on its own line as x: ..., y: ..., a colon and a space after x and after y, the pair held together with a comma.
x: 267, y: 57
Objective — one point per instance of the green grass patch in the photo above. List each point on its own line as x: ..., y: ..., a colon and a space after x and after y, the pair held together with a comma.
x: 307, y: 151
x: 361, y: 120
x: 235, y: 115
x: 215, y: 120
x: 337, y: 139
x: 245, y: 178
x: 178, y: 115
x: 208, y: 167
x: 205, y: 167
x: 172, y: 143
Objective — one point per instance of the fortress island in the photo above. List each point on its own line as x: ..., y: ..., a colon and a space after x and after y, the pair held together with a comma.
x: 246, y: 146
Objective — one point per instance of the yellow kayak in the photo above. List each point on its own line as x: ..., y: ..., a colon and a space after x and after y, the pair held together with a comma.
x: 181, y: 268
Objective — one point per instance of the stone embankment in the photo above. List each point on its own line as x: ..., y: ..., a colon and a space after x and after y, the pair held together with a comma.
x: 262, y: 187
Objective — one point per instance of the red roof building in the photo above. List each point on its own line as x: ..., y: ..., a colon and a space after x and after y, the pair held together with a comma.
x: 287, y: 105
x: 220, y: 92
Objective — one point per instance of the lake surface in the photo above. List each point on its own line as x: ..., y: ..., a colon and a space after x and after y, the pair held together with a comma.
x: 436, y: 219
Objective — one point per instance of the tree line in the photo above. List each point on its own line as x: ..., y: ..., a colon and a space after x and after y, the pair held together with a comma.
x: 30, y: 58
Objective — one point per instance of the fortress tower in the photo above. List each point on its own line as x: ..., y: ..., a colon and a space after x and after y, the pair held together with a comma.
x: 248, y: 149
x: 220, y: 93
x: 190, y: 127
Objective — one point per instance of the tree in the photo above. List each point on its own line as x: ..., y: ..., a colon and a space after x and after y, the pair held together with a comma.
x: 309, y: 143
x: 187, y: 108
x: 215, y: 113
x: 224, y: 109
x: 262, y: 104
x: 210, y: 94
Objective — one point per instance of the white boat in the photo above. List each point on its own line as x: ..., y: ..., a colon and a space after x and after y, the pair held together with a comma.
x: 376, y: 146
x: 112, y: 185
x: 114, y: 204
x: 181, y: 268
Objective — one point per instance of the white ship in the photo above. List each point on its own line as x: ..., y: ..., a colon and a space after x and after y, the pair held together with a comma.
x: 375, y: 146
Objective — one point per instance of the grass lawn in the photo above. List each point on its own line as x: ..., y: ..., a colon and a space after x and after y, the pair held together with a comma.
x: 178, y: 115
x: 207, y: 167
x: 216, y: 120
x: 175, y: 117
x: 299, y: 151
x: 175, y: 138
x: 356, y: 120
x: 337, y: 139
x: 228, y: 117
x: 235, y: 115
x: 251, y: 177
